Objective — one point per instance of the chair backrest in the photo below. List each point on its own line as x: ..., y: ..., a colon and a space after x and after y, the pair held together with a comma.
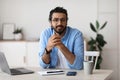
x: 90, y: 56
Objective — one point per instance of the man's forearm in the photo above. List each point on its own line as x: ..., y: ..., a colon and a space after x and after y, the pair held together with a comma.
x: 69, y: 55
x: 46, y: 58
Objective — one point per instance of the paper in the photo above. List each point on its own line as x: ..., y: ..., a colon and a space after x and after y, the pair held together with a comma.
x: 51, y: 72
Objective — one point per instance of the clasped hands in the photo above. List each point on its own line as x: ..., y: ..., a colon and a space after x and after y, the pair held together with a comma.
x: 54, y: 41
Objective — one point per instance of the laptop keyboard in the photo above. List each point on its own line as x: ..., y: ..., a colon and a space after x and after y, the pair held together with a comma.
x: 18, y: 71
x: 15, y: 71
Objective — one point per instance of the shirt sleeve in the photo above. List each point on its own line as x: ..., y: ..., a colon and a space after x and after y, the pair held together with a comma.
x: 42, y: 45
x: 78, y: 52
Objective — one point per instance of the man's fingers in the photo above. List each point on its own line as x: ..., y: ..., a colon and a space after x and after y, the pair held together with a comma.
x: 56, y: 40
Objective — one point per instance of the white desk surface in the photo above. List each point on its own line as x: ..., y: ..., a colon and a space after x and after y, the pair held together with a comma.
x: 97, y: 75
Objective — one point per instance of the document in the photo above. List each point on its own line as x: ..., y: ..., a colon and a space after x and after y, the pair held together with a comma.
x: 51, y: 72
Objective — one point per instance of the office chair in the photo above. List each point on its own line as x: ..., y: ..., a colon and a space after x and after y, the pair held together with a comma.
x: 91, y: 56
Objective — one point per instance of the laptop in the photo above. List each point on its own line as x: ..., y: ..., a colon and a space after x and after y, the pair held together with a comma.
x: 14, y: 71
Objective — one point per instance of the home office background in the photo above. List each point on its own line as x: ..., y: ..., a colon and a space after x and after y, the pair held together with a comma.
x: 32, y: 17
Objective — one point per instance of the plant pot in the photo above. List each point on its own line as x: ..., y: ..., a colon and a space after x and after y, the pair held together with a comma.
x: 18, y: 36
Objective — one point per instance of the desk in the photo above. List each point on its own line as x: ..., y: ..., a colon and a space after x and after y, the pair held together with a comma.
x: 97, y: 75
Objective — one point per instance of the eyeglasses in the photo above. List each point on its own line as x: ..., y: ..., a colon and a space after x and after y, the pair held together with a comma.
x: 56, y: 20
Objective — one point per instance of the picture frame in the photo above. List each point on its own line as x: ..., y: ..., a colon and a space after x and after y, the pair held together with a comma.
x: 8, y: 29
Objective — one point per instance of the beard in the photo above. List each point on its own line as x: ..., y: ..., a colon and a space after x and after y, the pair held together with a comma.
x: 59, y: 29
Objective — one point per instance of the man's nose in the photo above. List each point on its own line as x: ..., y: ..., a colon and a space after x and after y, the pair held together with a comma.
x: 59, y: 22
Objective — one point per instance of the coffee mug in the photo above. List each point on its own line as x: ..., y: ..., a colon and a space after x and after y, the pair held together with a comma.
x: 88, y: 67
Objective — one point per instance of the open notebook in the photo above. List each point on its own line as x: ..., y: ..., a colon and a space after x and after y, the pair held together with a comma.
x: 14, y: 71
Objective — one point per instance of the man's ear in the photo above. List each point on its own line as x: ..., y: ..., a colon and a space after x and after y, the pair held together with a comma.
x: 50, y: 22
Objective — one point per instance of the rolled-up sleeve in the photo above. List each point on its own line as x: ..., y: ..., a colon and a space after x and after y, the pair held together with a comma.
x: 42, y: 45
x: 78, y: 51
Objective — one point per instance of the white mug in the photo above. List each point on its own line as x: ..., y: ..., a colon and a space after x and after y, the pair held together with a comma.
x: 88, y: 67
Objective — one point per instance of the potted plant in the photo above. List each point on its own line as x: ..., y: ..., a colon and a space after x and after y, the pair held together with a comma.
x: 18, y: 34
x: 97, y: 43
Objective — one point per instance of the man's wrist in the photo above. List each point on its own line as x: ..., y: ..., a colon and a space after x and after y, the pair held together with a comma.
x: 47, y: 52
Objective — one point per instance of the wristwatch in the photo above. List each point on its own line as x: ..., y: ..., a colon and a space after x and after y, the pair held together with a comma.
x: 47, y: 52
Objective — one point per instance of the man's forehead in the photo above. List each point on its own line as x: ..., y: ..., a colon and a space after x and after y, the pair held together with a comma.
x: 58, y: 15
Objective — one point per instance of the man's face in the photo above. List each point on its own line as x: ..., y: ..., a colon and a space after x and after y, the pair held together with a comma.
x: 59, y: 22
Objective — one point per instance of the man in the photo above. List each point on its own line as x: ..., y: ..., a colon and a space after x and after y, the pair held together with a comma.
x: 60, y: 45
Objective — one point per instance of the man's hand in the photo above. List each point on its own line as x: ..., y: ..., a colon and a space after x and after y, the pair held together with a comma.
x: 54, y: 40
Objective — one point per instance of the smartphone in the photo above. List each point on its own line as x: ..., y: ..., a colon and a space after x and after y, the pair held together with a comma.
x: 71, y: 73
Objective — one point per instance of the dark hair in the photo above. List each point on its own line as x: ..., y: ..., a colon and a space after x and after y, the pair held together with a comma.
x: 58, y: 10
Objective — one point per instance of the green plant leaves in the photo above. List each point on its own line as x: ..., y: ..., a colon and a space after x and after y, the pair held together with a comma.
x: 97, y: 28
x: 92, y: 27
x: 97, y: 25
x: 17, y: 31
x: 104, y: 25
x: 99, y: 62
x: 98, y: 43
x: 99, y: 47
x: 100, y: 40
x: 91, y: 43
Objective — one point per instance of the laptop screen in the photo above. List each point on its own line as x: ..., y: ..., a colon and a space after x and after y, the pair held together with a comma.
x: 3, y: 63
x: 16, y: 71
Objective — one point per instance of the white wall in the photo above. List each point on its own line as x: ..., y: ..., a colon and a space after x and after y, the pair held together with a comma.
x: 32, y: 15
x: 108, y: 11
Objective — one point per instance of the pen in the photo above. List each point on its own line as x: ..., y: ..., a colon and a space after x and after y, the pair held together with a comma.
x: 54, y: 71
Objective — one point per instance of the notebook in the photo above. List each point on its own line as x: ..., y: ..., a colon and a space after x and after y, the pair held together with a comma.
x: 51, y: 72
x: 14, y: 71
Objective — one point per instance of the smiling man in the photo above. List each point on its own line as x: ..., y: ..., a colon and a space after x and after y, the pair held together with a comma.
x: 61, y: 46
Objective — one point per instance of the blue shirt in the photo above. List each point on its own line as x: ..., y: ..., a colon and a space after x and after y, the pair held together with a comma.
x: 72, y: 39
